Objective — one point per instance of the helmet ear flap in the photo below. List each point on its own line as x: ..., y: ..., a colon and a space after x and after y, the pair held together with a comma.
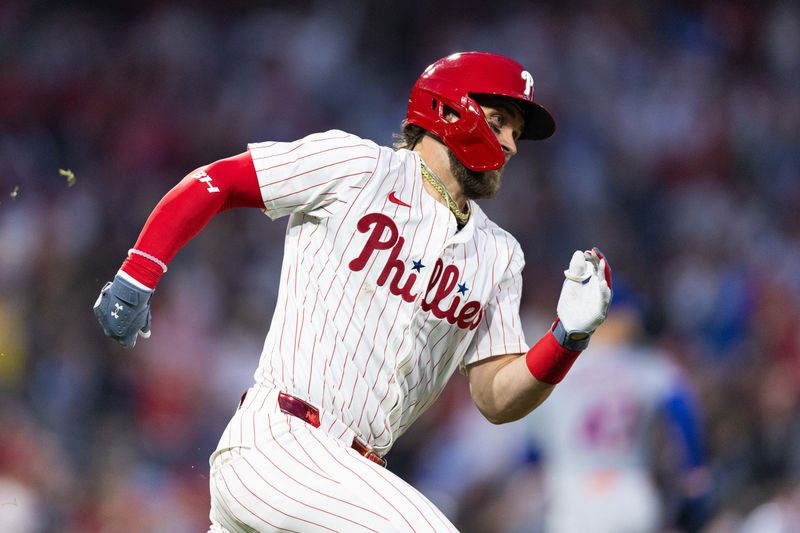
x: 460, y: 125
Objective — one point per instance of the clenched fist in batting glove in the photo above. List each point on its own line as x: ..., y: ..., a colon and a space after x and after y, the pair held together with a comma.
x: 584, y: 300
x: 123, y: 310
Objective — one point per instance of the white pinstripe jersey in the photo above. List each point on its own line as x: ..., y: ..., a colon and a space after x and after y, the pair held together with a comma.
x: 380, y: 298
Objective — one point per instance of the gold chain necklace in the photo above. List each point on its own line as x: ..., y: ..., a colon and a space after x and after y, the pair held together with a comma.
x: 435, y: 182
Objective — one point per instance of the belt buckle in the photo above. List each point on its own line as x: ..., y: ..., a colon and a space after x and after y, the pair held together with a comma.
x: 375, y: 458
x: 367, y: 452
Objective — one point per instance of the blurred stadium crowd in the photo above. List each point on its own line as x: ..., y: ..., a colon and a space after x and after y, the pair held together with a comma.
x: 677, y: 153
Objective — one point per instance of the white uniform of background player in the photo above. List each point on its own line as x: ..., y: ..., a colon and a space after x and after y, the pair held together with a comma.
x: 597, y: 433
x: 383, y: 295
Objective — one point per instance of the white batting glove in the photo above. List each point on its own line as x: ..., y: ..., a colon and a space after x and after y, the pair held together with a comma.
x: 584, y: 300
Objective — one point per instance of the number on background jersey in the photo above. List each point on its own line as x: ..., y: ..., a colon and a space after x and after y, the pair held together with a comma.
x: 611, y: 424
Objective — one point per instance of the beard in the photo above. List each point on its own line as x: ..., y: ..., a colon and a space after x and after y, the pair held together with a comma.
x: 474, y: 184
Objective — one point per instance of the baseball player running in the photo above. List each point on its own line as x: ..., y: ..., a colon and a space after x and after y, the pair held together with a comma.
x: 392, y: 279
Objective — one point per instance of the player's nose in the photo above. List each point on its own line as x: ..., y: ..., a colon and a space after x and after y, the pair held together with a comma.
x: 507, y: 142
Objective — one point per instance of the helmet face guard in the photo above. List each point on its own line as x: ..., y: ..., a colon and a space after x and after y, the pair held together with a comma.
x: 450, y: 84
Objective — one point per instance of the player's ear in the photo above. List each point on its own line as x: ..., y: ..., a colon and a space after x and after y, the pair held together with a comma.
x: 450, y: 114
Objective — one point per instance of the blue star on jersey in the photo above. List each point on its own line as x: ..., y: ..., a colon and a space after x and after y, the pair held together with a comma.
x: 417, y: 265
x: 462, y: 288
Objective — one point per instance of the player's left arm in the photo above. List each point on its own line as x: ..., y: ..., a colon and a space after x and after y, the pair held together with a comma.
x: 504, y: 390
x: 507, y: 387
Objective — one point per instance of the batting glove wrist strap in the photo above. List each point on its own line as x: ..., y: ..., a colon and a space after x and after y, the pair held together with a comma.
x: 123, y: 311
x: 563, y: 337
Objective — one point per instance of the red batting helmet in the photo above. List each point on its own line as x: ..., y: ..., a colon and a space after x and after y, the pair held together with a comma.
x: 451, y: 83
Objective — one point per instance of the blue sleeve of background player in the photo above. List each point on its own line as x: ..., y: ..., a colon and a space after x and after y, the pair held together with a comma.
x: 682, y: 411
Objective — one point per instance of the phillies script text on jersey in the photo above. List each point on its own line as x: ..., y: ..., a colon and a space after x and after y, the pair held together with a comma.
x: 442, y: 282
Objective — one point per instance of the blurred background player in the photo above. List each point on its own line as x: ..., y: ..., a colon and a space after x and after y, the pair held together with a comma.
x: 625, y: 416
x: 602, y: 455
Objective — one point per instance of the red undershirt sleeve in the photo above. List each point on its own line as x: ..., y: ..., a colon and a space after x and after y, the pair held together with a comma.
x: 186, y: 209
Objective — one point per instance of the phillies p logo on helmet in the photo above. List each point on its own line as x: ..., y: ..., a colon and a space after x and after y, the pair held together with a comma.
x: 528, y: 84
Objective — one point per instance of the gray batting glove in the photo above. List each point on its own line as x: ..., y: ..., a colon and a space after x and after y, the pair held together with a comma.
x: 123, y: 311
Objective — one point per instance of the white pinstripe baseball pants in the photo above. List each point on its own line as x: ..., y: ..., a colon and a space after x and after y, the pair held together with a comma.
x: 274, y: 472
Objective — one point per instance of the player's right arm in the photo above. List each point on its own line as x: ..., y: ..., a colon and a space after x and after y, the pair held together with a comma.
x: 317, y: 175
x: 123, y: 307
